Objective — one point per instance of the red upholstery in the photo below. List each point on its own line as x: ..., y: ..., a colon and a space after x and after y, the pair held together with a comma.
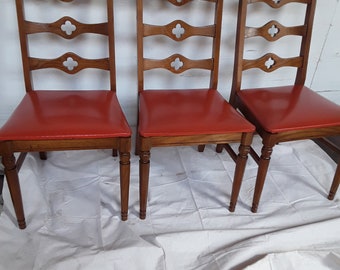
x: 53, y: 115
x: 188, y: 112
x: 279, y: 109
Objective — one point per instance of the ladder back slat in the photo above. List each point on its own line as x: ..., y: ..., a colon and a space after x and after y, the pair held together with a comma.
x: 177, y: 63
x: 270, y: 62
x: 185, y: 29
x: 66, y: 27
x: 69, y: 62
x: 273, y: 31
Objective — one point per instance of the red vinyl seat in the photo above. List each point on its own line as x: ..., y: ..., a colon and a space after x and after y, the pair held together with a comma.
x: 188, y: 112
x: 287, y: 108
x: 55, y: 115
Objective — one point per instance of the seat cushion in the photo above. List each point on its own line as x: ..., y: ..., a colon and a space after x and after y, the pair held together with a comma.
x: 53, y: 115
x: 188, y: 112
x: 288, y: 108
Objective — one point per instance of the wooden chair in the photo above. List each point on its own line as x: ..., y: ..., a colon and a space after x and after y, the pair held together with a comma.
x: 54, y: 120
x: 174, y: 117
x: 283, y: 113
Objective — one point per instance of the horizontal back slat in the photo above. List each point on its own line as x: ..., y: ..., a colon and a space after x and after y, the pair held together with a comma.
x: 273, y: 31
x: 177, y: 63
x: 59, y: 28
x: 185, y: 29
x: 278, y: 3
x: 270, y: 62
x: 183, y: 2
x: 70, y: 63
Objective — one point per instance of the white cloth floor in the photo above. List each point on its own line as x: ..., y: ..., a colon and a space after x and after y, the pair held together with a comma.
x: 71, y: 203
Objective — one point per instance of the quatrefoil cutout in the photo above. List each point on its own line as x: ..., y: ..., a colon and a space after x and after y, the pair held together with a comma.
x: 177, y: 64
x: 273, y: 30
x: 277, y: 1
x: 70, y: 64
x: 269, y: 63
x: 68, y: 28
x: 178, y: 31
x: 179, y: 1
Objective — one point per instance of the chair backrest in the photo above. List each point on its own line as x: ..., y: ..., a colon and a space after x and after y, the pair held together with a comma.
x: 179, y: 31
x: 272, y: 31
x: 67, y: 28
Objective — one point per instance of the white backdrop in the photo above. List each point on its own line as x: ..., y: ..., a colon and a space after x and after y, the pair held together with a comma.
x: 324, y: 64
x: 71, y: 200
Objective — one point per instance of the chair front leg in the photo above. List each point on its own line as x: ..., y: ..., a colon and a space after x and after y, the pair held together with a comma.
x: 124, y: 183
x: 335, y: 184
x: 124, y: 167
x: 266, y: 152
x: 144, y: 170
x: 241, y: 161
x: 10, y: 168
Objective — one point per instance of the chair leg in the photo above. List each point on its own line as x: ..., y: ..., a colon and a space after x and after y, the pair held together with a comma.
x: 201, y: 148
x: 144, y: 169
x: 114, y: 152
x: 241, y: 161
x: 335, y: 184
x: 43, y: 155
x: 124, y: 183
x: 1, y: 183
x: 261, y: 174
x: 14, y: 187
x: 137, y: 145
x: 219, y: 148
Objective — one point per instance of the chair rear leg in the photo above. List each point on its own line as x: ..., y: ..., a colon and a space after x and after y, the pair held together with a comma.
x: 144, y: 170
x: 201, y: 148
x: 124, y: 183
x: 219, y: 148
x: 1, y: 188
x: 14, y: 187
x: 1, y: 183
x: 43, y: 155
x: 241, y: 161
x: 137, y: 145
x: 335, y: 184
x: 114, y: 152
x: 261, y: 174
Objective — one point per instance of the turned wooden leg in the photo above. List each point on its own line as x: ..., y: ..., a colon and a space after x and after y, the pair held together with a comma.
x: 219, y: 148
x: 144, y: 169
x: 124, y: 183
x: 261, y: 175
x: 241, y: 161
x: 335, y: 184
x: 201, y: 148
x: 14, y: 188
